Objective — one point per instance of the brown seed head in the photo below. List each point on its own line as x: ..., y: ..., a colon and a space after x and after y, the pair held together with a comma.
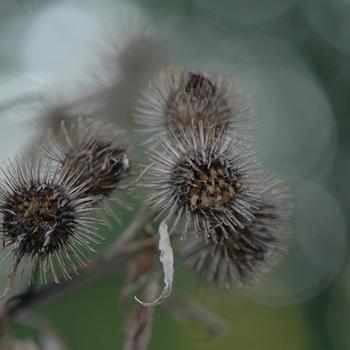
x: 101, y: 163
x: 43, y: 216
x: 98, y: 154
x: 198, y: 100
x: 183, y: 98
x: 199, y: 178
x: 234, y: 259
x: 206, y: 181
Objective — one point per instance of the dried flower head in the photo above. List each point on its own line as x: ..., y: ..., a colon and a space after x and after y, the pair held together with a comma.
x: 92, y: 150
x: 175, y: 99
x: 45, y: 107
x: 237, y: 258
x: 199, y: 178
x: 128, y: 56
x: 45, y: 217
x: 48, y: 105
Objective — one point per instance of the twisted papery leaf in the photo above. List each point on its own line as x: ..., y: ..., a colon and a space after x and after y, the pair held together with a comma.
x: 167, y: 259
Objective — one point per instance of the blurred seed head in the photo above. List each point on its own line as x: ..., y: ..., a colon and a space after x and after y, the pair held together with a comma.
x: 182, y: 98
x: 199, y: 177
x: 98, y: 154
x: 46, y: 106
x: 127, y: 58
x: 45, y: 218
x: 237, y: 258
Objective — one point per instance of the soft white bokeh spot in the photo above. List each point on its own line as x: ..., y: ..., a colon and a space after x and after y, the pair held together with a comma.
x: 56, y: 42
x: 298, y: 131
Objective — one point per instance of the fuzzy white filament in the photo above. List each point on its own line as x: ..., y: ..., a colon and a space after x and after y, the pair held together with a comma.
x: 167, y: 259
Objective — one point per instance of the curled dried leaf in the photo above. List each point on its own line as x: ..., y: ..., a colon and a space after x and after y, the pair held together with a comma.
x: 167, y: 259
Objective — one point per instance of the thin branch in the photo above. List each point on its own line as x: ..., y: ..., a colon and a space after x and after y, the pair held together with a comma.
x: 111, y: 260
x: 116, y: 248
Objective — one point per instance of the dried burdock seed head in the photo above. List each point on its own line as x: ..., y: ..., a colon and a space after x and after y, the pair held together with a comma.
x: 128, y: 56
x: 199, y: 178
x: 45, y: 217
x: 98, y: 154
x: 237, y: 258
x: 48, y: 105
x: 182, y: 98
x: 200, y: 88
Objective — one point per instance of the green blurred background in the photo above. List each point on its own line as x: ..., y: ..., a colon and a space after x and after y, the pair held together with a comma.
x: 294, y: 57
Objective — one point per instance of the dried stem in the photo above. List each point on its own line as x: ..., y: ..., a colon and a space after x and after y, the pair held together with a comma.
x: 111, y: 260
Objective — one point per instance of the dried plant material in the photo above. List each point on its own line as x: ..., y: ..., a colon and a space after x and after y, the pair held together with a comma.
x: 47, y: 106
x: 140, y: 265
x: 180, y: 98
x: 98, y: 153
x: 236, y: 259
x: 138, y: 272
x: 140, y: 326
x: 127, y: 58
x: 198, y: 178
x: 167, y: 259
x: 182, y: 309
x: 44, y: 219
